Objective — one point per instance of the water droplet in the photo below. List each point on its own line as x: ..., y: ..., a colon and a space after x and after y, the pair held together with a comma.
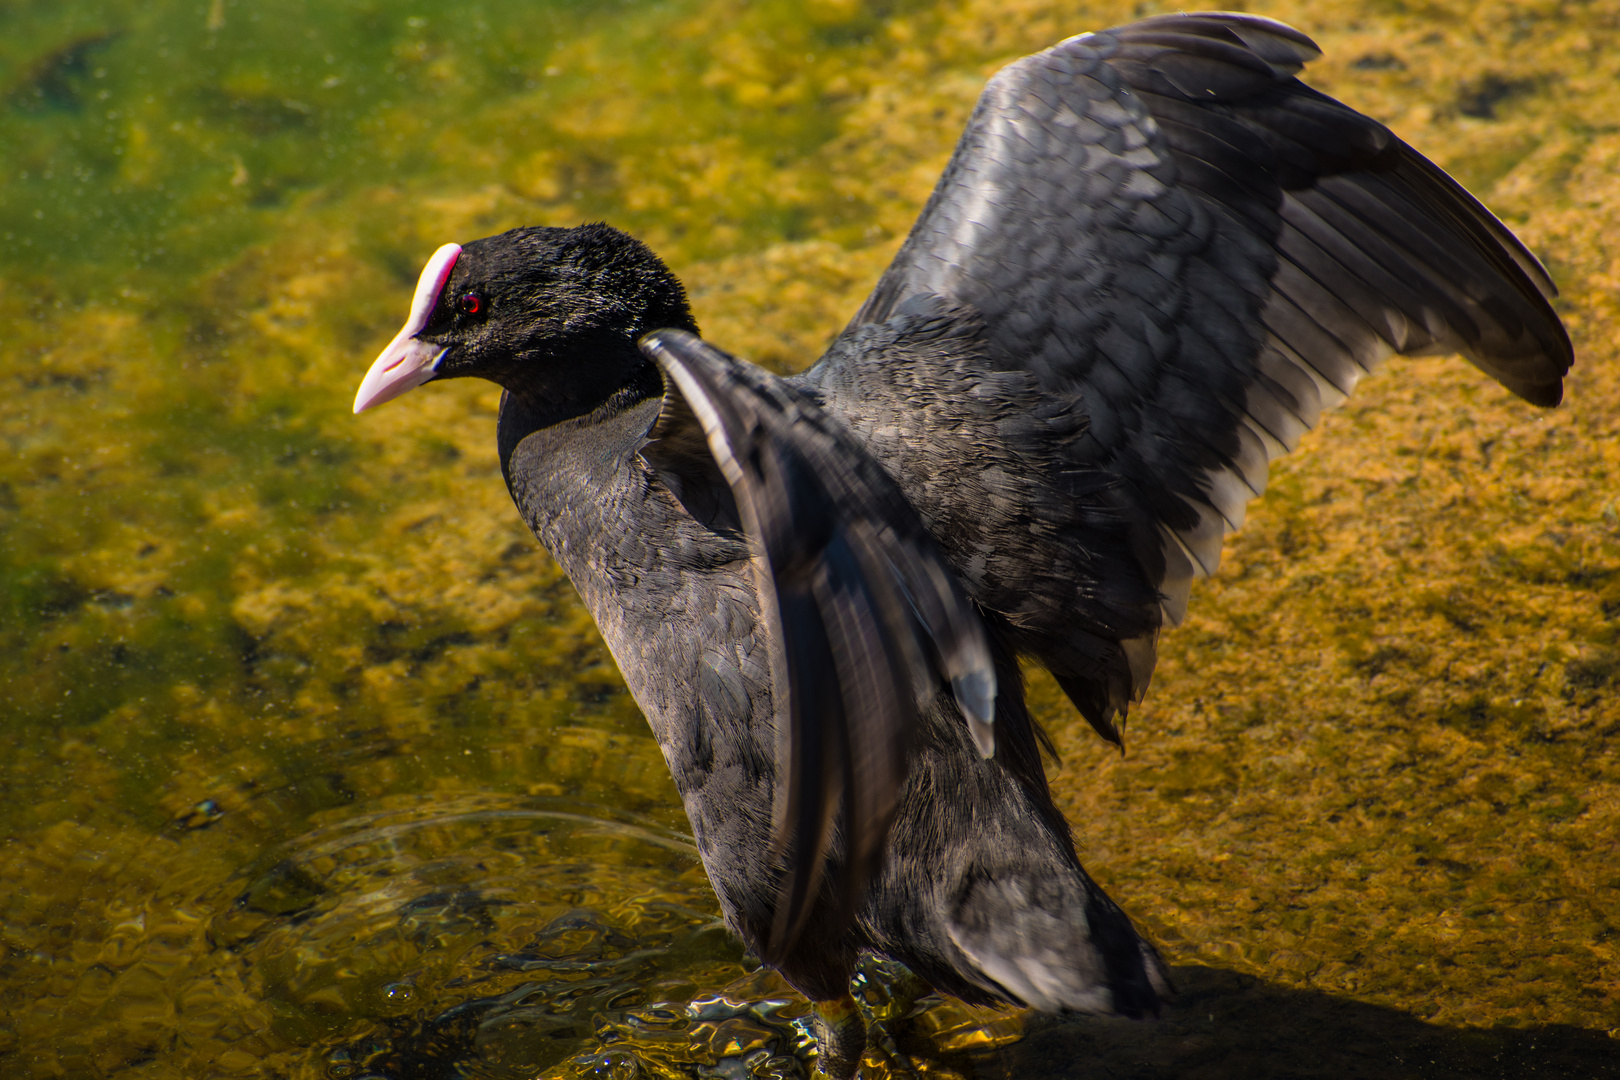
x: 399, y: 993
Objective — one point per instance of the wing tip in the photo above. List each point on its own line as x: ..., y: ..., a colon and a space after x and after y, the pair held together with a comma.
x: 1548, y: 395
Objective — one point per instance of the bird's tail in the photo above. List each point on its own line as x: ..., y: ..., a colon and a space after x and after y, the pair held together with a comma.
x: 982, y: 893
x: 1053, y: 940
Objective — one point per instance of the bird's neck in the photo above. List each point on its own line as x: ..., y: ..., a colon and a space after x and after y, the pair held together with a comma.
x: 594, y: 381
x: 557, y: 451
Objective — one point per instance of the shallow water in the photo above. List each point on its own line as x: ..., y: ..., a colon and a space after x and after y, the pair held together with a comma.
x: 312, y: 765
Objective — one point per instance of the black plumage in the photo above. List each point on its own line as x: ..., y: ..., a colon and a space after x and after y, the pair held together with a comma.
x: 1154, y: 257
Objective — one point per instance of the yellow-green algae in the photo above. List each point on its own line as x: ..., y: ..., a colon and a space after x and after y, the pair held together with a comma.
x: 302, y: 734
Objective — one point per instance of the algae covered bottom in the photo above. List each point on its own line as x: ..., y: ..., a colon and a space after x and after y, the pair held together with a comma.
x: 313, y: 766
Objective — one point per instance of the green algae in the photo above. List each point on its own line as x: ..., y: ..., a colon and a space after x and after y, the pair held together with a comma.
x: 278, y: 681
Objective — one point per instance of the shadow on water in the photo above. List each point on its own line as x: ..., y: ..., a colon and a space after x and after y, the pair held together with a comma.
x: 1229, y: 1026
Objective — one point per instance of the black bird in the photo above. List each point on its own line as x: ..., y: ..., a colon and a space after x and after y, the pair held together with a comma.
x: 1154, y: 257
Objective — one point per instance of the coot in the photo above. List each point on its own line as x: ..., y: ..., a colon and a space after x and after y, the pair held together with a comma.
x: 1153, y: 259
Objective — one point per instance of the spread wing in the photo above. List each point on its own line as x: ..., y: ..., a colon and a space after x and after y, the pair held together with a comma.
x: 1162, y: 223
x: 865, y: 617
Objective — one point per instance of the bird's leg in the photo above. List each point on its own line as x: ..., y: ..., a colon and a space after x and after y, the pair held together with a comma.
x: 888, y: 988
x: 840, y: 1037
x: 889, y: 991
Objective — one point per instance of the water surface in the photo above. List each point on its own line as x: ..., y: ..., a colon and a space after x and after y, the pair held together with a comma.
x: 313, y: 766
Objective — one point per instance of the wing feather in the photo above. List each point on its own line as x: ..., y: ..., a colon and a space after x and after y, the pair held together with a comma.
x: 1160, y: 222
x: 865, y: 618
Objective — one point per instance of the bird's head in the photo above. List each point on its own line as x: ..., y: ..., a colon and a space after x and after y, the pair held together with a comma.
x: 550, y: 314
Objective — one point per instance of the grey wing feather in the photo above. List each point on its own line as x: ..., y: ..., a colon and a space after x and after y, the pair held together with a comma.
x: 1162, y: 221
x: 866, y: 619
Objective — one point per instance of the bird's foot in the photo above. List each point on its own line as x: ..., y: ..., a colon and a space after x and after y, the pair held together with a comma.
x: 888, y: 992
x: 840, y: 1038
x: 887, y: 988
x: 882, y: 994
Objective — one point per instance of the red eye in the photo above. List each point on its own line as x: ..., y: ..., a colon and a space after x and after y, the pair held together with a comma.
x: 472, y: 304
